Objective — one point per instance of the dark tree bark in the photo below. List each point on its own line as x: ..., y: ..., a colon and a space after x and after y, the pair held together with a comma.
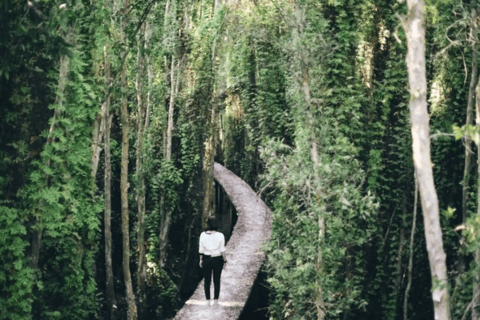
x: 401, y: 243
x: 107, y: 122
x: 171, y: 106
x: 476, y: 286
x: 468, y: 121
x: 167, y: 212
x: 37, y: 233
x: 208, y: 163
x: 98, y: 134
x: 304, y: 80
x: 174, y: 87
x: 130, y: 296
x: 148, y: 36
x: 141, y: 262
x: 410, y: 258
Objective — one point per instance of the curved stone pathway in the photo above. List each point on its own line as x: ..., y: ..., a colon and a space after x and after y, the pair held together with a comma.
x: 243, y: 253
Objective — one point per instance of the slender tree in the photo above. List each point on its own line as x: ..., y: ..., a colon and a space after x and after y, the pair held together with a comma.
x: 476, y: 285
x: 171, y: 107
x: 410, y: 258
x: 148, y: 62
x: 98, y: 134
x: 208, y: 163
x: 399, y: 260
x: 305, y: 85
x: 171, y: 38
x: 59, y: 101
x: 130, y: 296
x: 141, y: 261
x: 107, y: 122
x: 469, y: 120
x: 415, y: 34
x: 165, y: 227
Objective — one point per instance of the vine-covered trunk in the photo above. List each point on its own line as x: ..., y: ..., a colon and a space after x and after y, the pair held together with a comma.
x: 167, y: 211
x: 130, y: 296
x: 209, y: 185
x: 305, y: 85
x: 37, y: 233
x: 164, y: 228
x: 415, y: 33
x: 141, y: 262
x: 210, y: 149
x: 468, y: 121
x: 399, y: 260
x: 132, y: 310
x: 107, y: 122
x: 148, y: 36
x: 476, y: 285
x: 171, y: 106
x: 410, y: 258
x: 98, y: 133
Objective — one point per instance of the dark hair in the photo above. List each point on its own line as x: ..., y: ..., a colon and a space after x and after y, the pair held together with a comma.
x: 212, y: 223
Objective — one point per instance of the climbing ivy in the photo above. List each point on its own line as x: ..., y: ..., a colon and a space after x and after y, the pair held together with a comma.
x: 261, y: 85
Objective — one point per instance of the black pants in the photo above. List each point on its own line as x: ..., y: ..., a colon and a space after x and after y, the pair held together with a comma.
x: 214, y: 264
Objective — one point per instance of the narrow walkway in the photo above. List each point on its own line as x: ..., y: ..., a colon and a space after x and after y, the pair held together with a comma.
x: 243, y: 254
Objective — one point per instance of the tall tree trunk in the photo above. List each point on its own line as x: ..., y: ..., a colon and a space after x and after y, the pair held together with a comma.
x: 401, y: 243
x: 167, y: 212
x: 37, y: 233
x: 168, y: 153
x: 148, y: 36
x: 130, y: 296
x: 98, y: 133
x: 164, y: 230
x: 476, y: 285
x: 107, y: 122
x: 415, y: 33
x: 141, y: 263
x: 305, y: 85
x: 410, y: 258
x: 468, y: 121
x: 318, y: 300
x: 208, y: 163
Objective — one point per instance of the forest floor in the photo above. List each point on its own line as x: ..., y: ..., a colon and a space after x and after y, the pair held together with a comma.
x: 243, y: 253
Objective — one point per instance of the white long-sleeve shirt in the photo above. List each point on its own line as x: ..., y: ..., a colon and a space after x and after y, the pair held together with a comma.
x: 212, y: 243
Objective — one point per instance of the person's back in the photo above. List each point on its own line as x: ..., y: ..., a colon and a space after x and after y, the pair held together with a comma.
x: 213, y: 243
x: 212, y: 257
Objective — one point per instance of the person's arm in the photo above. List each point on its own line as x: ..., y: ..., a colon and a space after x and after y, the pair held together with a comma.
x: 201, y: 250
x: 222, y: 249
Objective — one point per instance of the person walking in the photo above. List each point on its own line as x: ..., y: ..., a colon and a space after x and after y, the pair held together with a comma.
x: 212, y: 258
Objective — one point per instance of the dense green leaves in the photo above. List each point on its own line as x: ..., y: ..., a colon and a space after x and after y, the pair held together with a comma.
x: 15, y: 276
x: 264, y: 84
x: 300, y: 202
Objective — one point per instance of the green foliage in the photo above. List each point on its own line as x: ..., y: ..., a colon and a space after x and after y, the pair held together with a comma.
x: 28, y: 36
x: 165, y: 186
x: 62, y: 204
x: 16, y: 278
x: 354, y: 53
x: 162, y: 291
x: 300, y: 202
x: 254, y: 77
x: 301, y: 260
x: 243, y: 70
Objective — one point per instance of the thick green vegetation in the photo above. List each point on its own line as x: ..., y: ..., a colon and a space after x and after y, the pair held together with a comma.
x: 306, y: 100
